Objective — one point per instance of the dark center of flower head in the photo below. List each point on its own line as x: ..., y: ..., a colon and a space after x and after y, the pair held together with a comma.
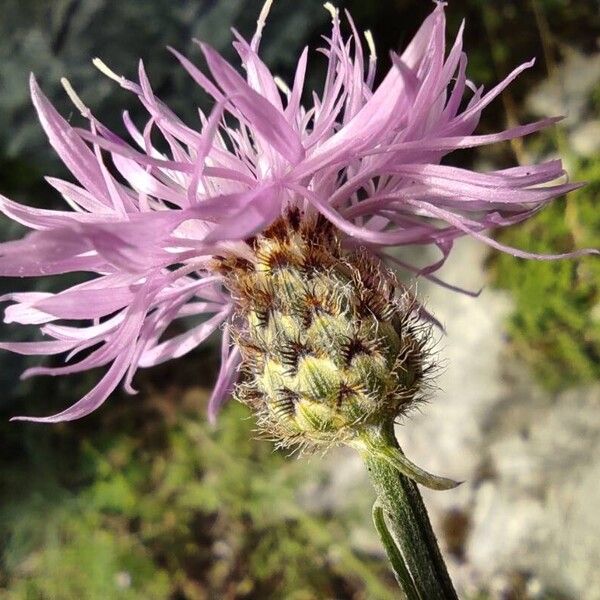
x: 330, y: 346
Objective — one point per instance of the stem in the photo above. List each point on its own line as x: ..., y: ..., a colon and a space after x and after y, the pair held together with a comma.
x: 400, y: 569
x: 409, y: 522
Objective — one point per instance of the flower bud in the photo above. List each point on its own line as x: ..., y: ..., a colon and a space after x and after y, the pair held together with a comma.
x: 330, y: 349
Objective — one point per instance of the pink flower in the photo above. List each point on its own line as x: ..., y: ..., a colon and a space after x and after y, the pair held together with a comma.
x: 366, y: 158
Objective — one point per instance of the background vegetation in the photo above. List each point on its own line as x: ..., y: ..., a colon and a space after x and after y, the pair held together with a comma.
x: 143, y: 500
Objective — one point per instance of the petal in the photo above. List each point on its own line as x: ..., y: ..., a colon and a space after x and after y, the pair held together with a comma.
x: 183, y: 343
x: 228, y: 374
x: 260, y: 114
x: 73, y: 152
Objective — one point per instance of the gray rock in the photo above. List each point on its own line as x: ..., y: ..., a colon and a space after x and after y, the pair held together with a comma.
x: 567, y: 91
x: 585, y: 139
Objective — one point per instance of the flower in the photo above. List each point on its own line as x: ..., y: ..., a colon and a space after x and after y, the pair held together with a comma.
x: 149, y: 222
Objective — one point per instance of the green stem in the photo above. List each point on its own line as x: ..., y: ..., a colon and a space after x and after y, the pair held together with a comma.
x: 409, y: 522
x: 403, y: 576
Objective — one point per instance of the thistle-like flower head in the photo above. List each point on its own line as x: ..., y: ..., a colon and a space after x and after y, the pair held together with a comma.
x: 186, y: 227
x: 329, y: 347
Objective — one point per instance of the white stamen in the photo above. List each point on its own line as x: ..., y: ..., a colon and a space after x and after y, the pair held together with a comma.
x: 75, y: 99
x: 103, y: 68
x: 260, y: 23
x: 264, y: 13
x: 282, y: 85
x: 332, y: 9
x: 371, y: 45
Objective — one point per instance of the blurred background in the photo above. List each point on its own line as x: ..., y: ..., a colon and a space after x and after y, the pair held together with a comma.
x: 143, y: 500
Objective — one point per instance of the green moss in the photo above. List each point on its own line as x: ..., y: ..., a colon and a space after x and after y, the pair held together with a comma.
x: 556, y: 323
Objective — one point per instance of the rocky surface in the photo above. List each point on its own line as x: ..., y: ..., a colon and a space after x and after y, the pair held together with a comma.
x: 529, y: 460
x: 568, y: 92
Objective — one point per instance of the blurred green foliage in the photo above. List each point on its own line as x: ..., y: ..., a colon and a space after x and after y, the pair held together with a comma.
x: 172, y: 509
x: 556, y: 323
x: 555, y: 326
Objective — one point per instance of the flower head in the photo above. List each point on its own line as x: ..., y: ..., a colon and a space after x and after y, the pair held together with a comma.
x: 149, y: 218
